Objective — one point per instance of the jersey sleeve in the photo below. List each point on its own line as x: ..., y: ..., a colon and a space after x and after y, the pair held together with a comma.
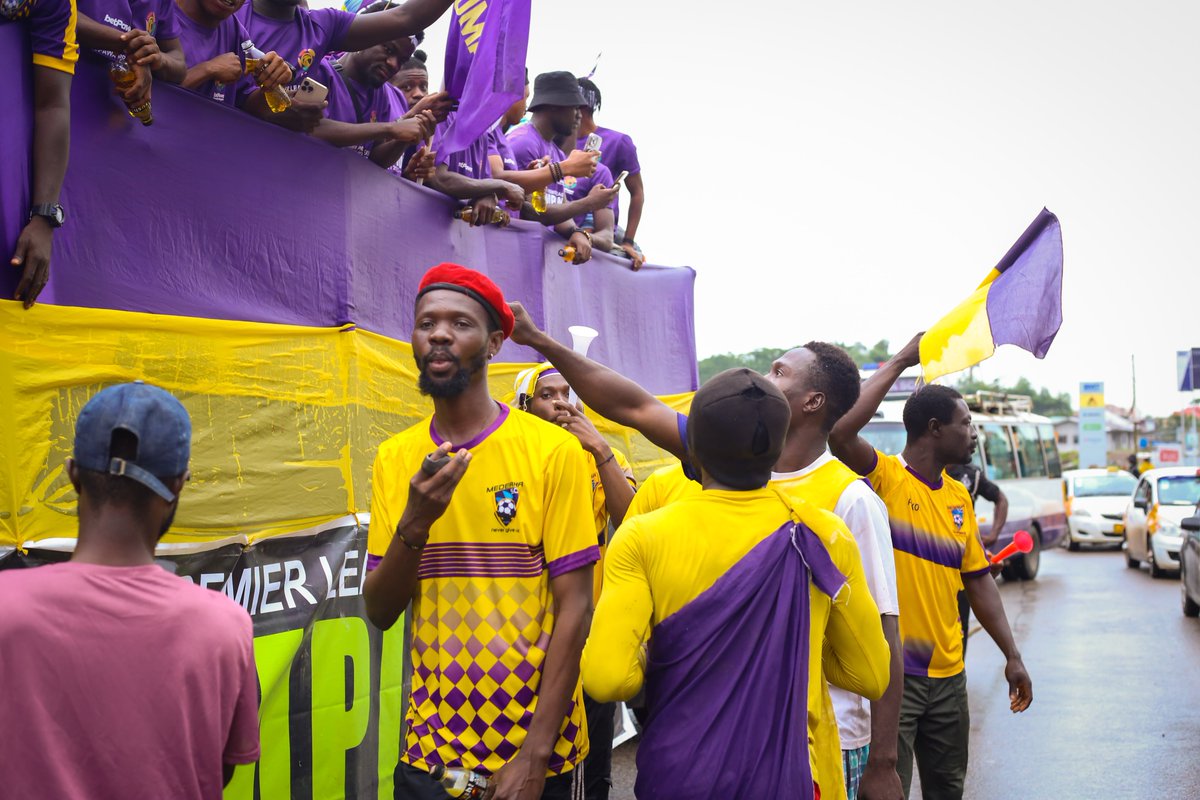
x: 242, y: 746
x: 623, y: 463
x: 613, y: 665
x: 856, y: 656
x: 334, y: 22
x: 988, y: 490
x: 975, y: 561
x: 885, y: 473
x: 167, y: 24
x: 498, y: 146
x: 866, y: 516
x: 383, y: 517
x: 52, y: 34
x: 568, y: 534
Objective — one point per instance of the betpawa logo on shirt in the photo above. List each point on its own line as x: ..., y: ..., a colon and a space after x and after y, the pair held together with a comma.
x: 958, y: 514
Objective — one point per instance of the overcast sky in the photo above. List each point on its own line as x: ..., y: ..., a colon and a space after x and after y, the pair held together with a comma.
x: 851, y: 171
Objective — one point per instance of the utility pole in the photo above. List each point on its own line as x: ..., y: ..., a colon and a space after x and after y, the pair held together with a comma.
x: 1133, y: 408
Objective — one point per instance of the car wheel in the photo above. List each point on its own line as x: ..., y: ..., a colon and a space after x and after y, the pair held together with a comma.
x: 1073, y: 545
x: 1155, y: 570
x: 1130, y: 561
x: 1190, y: 607
x: 1025, y: 566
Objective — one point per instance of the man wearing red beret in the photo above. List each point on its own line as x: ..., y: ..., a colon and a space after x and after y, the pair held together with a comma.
x: 482, y: 519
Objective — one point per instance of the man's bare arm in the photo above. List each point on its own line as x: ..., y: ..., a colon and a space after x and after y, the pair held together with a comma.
x: 989, y: 609
x: 368, y: 30
x: 606, y: 392
x: 844, y: 441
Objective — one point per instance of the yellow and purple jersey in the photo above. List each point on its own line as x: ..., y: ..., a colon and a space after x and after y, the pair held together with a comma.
x: 51, y: 30
x: 935, y: 537
x: 482, y: 617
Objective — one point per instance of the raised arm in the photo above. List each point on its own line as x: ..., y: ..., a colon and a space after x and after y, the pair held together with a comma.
x: 368, y: 30
x: 608, y: 393
x: 855, y: 451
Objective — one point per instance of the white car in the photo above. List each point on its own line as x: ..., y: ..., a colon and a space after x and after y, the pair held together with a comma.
x: 1162, y: 499
x: 1095, y: 500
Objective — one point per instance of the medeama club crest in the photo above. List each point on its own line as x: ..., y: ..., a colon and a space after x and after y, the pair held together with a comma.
x: 506, y: 505
x: 959, y: 515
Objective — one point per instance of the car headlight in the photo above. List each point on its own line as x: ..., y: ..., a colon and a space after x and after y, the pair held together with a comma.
x: 1081, y: 512
x: 1169, y: 528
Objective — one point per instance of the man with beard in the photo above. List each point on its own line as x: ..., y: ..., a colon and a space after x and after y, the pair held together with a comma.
x: 134, y: 682
x: 362, y: 113
x: 493, y: 547
x: 821, y: 383
x: 938, y: 552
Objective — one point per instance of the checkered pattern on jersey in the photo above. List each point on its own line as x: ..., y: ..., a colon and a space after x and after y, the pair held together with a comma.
x: 478, y: 648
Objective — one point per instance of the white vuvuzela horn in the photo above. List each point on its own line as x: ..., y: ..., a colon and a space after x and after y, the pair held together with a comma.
x: 581, y: 339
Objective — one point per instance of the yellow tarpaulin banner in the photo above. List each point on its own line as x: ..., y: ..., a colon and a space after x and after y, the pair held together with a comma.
x: 286, y: 419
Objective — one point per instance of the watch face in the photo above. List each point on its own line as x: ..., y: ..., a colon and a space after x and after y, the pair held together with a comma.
x: 58, y: 215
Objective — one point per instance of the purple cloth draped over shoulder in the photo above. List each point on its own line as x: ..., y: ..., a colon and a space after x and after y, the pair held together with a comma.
x: 727, y: 679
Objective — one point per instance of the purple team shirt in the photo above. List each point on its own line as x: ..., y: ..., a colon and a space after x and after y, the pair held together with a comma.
x: 156, y: 17
x: 472, y: 162
x: 202, y: 43
x: 353, y: 102
x: 302, y: 41
x: 527, y: 146
x: 51, y: 26
x: 578, y: 188
x: 618, y: 153
x: 497, y: 145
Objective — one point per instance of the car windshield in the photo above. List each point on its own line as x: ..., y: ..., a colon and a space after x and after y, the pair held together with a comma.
x: 886, y: 437
x: 1118, y: 484
x: 1179, y: 490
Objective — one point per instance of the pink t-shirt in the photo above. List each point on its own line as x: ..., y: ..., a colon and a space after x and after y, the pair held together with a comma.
x: 122, y: 682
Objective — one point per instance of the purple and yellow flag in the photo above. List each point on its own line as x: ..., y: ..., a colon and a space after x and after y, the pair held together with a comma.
x: 1019, y: 302
x: 485, y: 65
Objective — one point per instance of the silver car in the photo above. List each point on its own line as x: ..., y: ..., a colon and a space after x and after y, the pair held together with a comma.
x: 1160, y: 502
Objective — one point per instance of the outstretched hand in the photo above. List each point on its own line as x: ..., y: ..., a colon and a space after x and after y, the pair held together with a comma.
x: 910, y: 354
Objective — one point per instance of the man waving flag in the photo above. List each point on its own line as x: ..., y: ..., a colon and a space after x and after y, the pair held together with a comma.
x: 1019, y: 302
x: 485, y: 66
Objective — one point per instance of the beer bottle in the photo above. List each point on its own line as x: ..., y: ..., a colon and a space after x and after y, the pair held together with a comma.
x: 460, y: 782
x: 277, y: 98
x: 567, y: 254
x: 123, y: 77
x: 467, y: 214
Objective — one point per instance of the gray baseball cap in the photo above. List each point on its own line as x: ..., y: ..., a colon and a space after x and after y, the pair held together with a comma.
x: 154, y: 417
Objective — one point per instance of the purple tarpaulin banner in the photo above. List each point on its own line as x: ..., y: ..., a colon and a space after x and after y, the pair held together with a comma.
x: 211, y: 213
x: 485, y: 66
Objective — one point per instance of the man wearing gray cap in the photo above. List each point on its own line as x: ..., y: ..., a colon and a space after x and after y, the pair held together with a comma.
x: 123, y: 679
x: 738, y: 589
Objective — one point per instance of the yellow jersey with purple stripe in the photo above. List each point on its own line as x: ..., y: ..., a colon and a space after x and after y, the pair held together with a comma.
x: 935, y: 537
x: 51, y: 30
x: 482, y: 618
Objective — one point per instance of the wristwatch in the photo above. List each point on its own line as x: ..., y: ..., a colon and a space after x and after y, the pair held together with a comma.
x: 53, y: 213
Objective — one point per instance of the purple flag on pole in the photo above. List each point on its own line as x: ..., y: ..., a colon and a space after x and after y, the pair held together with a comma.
x: 485, y: 66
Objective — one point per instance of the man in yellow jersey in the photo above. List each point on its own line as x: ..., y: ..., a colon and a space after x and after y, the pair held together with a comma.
x: 935, y: 535
x: 726, y: 586
x: 821, y: 383
x: 543, y: 392
x: 494, y: 548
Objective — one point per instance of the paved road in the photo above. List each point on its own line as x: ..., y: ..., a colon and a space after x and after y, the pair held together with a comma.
x: 1116, y: 676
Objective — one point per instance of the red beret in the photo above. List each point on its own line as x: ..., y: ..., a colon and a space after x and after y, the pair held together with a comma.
x: 476, y: 285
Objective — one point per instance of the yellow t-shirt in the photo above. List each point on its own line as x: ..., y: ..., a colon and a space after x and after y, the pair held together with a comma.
x: 661, y: 561
x: 600, y: 512
x: 936, y: 540
x: 663, y: 486
x: 481, y: 620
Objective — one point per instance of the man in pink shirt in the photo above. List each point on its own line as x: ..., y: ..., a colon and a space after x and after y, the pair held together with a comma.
x: 124, y: 680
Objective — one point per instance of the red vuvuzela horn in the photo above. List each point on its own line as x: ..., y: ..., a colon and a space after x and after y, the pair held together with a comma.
x: 1022, y: 543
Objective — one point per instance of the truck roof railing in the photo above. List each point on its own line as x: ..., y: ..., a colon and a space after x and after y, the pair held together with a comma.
x: 999, y: 402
